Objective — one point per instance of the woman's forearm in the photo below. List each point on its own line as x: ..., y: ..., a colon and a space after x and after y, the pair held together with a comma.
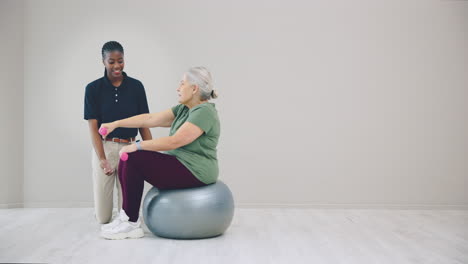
x: 161, y: 119
x: 98, y: 146
x: 134, y: 121
x: 96, y: 139
x: 145, y: 134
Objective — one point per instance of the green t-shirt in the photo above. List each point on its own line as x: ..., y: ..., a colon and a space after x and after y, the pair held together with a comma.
x: 200, y: 155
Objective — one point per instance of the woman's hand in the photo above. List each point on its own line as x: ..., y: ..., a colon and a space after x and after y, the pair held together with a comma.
x: 105, y: 165
x: 129, y: 149
x: 109, y: 127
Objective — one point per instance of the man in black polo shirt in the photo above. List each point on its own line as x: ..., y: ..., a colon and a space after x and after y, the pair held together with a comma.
x: 114, y: 96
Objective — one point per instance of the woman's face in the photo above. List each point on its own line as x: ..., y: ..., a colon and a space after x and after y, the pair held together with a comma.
x: 114, y: 63
x: 185, y: 91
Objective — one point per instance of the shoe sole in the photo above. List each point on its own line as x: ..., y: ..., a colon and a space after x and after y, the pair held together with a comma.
x: 136, y: 233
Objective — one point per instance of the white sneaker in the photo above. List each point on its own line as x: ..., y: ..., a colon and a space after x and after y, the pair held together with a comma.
x: 124, y: 229
x: 119, y: 218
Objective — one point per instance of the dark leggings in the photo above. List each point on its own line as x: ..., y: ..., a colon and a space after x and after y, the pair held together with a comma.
x: 163, y: 171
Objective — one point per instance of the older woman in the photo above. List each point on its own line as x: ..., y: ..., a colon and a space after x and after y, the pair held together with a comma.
x: 190, y: 151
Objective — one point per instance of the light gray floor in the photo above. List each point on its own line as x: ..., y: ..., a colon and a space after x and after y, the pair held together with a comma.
x: 255, y: 236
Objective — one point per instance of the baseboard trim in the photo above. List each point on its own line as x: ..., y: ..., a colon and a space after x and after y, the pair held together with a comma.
x: 267, y: 205
x: 11, y: 205
x: 59, y: 205
x: 356, y: 206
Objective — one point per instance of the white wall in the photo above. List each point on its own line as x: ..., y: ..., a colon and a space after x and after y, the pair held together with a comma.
x: 325, y: 102
x: 11, y: 103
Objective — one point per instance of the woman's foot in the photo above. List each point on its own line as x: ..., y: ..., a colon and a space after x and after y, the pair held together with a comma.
x: 117, y: 219
x: 122, y: 228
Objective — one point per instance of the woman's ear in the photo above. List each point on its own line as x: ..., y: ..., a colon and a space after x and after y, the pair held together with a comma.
x: 195, y: 88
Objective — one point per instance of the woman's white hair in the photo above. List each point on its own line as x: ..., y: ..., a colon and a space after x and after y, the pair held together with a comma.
x: 201, y: 77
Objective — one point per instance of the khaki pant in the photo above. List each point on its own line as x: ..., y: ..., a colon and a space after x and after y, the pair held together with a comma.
x: 103, y: 185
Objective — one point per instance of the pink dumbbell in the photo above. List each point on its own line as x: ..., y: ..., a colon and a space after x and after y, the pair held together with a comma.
x: 103, y: 131
x: 124, y: 156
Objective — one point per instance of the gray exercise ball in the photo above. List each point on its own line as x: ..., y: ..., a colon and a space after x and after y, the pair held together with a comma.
x: 190, y: 213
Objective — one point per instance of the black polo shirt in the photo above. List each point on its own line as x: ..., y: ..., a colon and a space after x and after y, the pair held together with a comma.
x: 107, y: 103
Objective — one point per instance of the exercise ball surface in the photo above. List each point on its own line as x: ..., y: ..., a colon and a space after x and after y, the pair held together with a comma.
x: 191, y: 213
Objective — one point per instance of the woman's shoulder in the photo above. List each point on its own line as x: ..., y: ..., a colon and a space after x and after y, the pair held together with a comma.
x: 205, y: 107
x: 206, y: 111
x: 178, y: 109
x: 94, y: 84
x: 134, y: 82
